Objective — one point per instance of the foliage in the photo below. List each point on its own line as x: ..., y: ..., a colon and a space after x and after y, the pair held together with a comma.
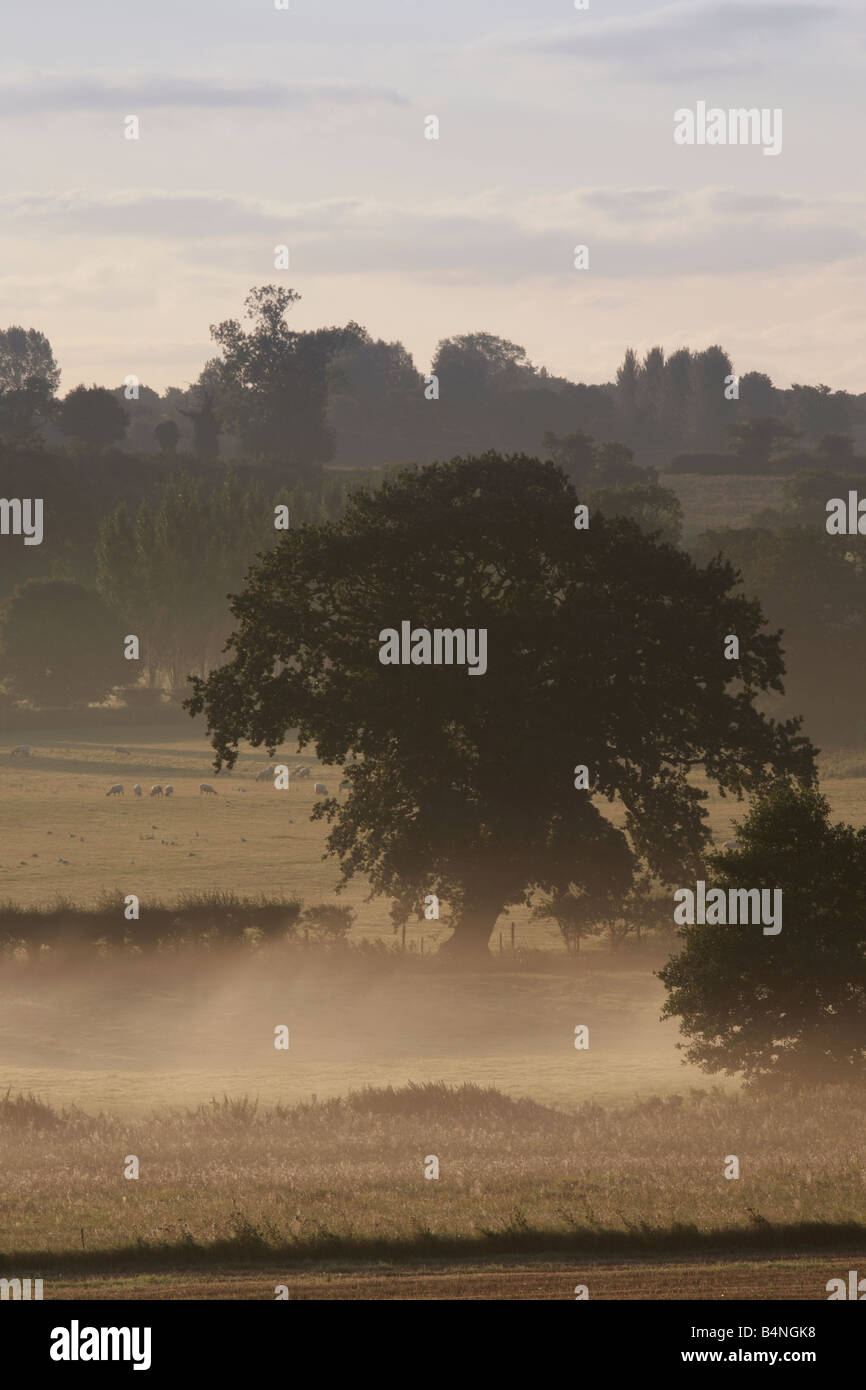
x: 790, y: 1007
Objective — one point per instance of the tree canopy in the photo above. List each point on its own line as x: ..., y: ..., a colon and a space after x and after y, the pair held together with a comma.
x: 59, y: 644
x: 791, y: 1006
x: 606, y: 649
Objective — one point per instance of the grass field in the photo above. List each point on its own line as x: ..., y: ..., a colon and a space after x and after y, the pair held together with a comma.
x: 337, y: 1199
x: 603, y: 1170
x: 248, y: 839
x: 714, y: 501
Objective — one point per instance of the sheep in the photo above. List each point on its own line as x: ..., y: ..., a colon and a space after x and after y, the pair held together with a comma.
x: 301, y: 771
x: 344, y: 786
x: 21, y: 750
x: 156, y: 790
x: 116, y: 789
x: 266, y: 773
x: 321, y: 789
x: 168, y: 789
x: 205, y: 789
x: 122, y: 750
x: 137, y: 789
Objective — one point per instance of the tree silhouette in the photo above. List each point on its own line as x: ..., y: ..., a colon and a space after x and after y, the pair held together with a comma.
x: 59, y: 644
x: 92, y: 415
x: 167, y: 434
x: 790, y: 1007
x: 275, y: 380
x: 605, y: 649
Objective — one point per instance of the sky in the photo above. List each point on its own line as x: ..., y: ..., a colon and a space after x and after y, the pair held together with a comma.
x: 305, y: 127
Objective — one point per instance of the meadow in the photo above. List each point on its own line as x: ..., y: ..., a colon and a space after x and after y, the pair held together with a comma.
x: 261, y: 1165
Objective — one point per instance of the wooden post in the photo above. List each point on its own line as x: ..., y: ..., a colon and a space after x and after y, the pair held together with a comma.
x: 512, y: 938
x: 500, y: 943
x: 422, y: 948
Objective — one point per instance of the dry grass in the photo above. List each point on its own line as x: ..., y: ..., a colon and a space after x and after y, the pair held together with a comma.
x: 53, y: 807
x: 346, y: 1177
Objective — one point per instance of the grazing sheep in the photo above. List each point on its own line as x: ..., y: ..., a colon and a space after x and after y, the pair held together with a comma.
x: 266, y: 773
x: 21, y: 750
x: 168, y: 789
x: 122, y: 750
x: 116, y: 789
x: 344, y: 786
x: 137, y: 789
x: 156, y: 791
x: 301, y: 772
x: 321, y: 789
x: 205, y: 789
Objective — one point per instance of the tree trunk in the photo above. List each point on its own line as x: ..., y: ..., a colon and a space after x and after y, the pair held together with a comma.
x: 472, y: 932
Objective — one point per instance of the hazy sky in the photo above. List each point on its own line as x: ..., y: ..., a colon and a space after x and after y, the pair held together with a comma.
x: 306, y: 127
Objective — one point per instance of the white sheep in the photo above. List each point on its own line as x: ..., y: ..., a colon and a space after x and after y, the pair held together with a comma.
x: 205, y: 789
x: 168, y: 789
x: 137, y: 789
x: 321, y: 789
x: 116, y: 789
x: 21, y: 750
x: 156, y: 791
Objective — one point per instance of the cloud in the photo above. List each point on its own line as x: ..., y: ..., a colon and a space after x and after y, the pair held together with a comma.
x: 36, y: 92
x: 657, y: 232
x: 684, y: 40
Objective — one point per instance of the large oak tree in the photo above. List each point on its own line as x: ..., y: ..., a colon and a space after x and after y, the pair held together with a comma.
x: 605, y: 648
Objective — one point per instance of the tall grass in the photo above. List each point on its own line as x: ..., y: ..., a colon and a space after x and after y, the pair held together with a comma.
x: 345, y: 1178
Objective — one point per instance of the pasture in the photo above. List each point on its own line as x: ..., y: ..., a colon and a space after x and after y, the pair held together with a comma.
x: 249, y: 838
x: 256, y: 1168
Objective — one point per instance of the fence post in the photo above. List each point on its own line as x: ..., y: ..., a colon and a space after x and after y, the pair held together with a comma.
x: 512, y: 938
x: 500, y: 943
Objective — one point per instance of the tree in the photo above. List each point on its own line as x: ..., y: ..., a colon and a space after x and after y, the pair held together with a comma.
x: 330, y: 921
x: 574, y: 912
x: 470, y: 364
x: 789, y: 1007
x: 92, y: 415
x: 618, y: 909
x: 59, y: 644
x: 836, y: 451
x: 757, y: 441
x: 205, y: 423
x: 166, y: 434
x: 29, y: 377
x: 23, y: 409
x: 811, y: 587
x: 26, y: 355
x: 605, y: 647
x: 276, y: 381
x: 655, y: 509
x: 758, y: 396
